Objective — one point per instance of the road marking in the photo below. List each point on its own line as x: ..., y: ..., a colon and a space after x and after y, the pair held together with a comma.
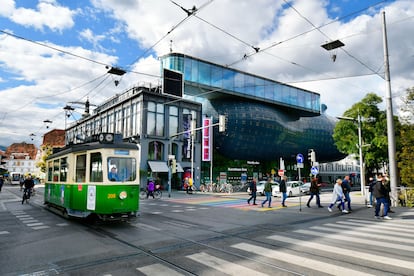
x: 40, y: 227
x: 226, y: 267
x: 350, y: 253
x: 158, y: 269
x: 356, y: 240
x: 34, y: 224
x: 299, y: 261
x: 146, y: 226
x: 360, y: 234
x: 371, y: 230
x: 378, y: 225
x: 4, y: 232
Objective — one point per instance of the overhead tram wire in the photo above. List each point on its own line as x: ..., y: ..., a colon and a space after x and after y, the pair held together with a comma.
x: 190, y: 13
x: 70, y: 53
x: 49, y: 96
x: 247, y: 55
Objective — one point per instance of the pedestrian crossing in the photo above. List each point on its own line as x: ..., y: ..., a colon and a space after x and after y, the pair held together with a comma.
x: 226, y: 202
x: 346, y: 247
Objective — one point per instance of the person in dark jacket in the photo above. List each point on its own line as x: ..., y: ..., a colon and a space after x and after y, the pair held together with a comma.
x: 282, y: 189
x: 380, y: 193
x: 314, y: 191
x: 253, y: 190
x: 371, y: 185
x: 346, y: 188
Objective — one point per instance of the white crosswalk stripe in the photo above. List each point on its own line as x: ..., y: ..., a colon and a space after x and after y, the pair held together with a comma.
x: 346, y: 247
x: 158, y: 269
x: 221, y: 265
x: 356, y: 240
x: 344, y: 251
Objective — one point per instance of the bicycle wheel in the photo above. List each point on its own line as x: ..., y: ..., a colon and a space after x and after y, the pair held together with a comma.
x: 202, y: 188
x: 157, y: 194
x: 142, y: 194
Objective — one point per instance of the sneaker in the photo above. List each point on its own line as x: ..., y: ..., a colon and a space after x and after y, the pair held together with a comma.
x: 248, y: 202
x: 329, y: 209
x: 377, y: 217
x: 387, y: 217
x: 369, y: 206
x: 345, y: 211
x: 254, y: 204
x: 320, y: 206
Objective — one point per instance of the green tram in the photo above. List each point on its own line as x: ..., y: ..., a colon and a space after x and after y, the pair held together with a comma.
x: 95, y: 179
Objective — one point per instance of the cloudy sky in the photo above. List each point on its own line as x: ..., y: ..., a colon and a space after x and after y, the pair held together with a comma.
x: 56, y: 52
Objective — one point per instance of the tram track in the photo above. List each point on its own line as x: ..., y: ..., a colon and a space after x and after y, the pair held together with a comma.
x: 184, y: 242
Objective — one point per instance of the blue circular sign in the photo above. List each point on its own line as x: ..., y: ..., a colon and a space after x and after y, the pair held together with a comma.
x: 299, y: 158
x: 314, y: 170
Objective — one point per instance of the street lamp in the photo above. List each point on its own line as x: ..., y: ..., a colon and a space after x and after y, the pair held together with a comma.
x: 361, y: 160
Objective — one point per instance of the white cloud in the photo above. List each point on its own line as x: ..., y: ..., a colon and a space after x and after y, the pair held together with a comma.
x: 48, y: 14
x: 296, y: 56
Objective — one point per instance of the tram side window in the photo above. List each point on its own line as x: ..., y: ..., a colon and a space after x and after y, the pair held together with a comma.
x: 81, y: 168
x: 96, y: 174
x: 63, y: 169
x: 49, y: 171
x: 56, y: 170
x: 122, y: 169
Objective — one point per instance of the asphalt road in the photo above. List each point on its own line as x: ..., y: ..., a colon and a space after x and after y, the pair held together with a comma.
x: 206, y: 234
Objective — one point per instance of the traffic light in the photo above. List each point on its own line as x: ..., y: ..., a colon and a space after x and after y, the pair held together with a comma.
x: 173, y: 166
x: 222, y: 123
x: 311, y: 156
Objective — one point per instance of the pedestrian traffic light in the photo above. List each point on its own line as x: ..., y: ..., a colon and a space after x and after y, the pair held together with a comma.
x: 173, y: 166
x: 222, y: 123
x: 312, y: 156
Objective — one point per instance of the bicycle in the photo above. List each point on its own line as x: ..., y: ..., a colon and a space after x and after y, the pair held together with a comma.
x: 26, y: 195
x: 157, y: 194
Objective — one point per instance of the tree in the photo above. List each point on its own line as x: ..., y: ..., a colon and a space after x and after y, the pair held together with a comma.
x: 374, y: 132
x: 405, y: 156
x: 46, y: 151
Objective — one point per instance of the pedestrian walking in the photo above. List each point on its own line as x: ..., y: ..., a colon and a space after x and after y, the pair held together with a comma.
x: 314, y: 192
x: 346, y: 187
x: 338, y: 195
x: 268, y: 192
x: 282, y: 189
x: 371, y: 185
x: 387, y: 184
x: 253, y: 190
x: 1, y: 182
x: 380, y: 193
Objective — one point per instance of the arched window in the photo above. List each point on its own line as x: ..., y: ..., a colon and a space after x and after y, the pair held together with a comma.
x: 155, y: 150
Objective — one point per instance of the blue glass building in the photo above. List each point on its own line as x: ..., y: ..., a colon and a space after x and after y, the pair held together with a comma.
x: 266, y: 119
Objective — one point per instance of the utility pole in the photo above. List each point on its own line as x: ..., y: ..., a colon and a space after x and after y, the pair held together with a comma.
x: 390, y: 119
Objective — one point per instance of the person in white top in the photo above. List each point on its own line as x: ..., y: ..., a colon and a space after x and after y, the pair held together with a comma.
x: 338, y: 195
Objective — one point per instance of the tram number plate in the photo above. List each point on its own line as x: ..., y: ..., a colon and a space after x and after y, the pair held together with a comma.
x: 111, y: 196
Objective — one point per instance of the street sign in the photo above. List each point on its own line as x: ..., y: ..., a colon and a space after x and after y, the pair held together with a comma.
x: 314, y: 170
x: 299, y: 158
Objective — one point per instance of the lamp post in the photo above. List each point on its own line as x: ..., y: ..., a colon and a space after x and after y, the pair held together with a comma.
x: 361, y: 160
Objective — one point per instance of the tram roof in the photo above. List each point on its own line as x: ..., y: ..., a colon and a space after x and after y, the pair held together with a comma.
x: 92, y: 146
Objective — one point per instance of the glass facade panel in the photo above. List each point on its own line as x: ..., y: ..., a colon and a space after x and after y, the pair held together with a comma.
x: 204, y: 73
x: 173, y: 120
x: 214, y: 75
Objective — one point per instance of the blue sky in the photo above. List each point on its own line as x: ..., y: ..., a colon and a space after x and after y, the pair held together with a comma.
x: 36, y: 82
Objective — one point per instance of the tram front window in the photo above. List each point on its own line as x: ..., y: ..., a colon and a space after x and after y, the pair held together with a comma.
x: 121, y: 169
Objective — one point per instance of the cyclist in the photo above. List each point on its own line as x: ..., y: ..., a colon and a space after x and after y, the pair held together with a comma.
x: 28, y: 186
x: 150, y: 188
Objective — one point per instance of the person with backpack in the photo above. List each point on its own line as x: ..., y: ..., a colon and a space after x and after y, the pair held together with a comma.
x: 253, y: 190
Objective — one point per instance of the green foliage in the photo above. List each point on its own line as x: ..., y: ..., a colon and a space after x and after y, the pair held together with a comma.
x: 46, y: 150
x: 405, y: 156
x: 374, y: 132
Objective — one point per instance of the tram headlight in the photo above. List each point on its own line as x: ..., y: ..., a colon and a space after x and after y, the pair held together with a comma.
x: 123, y: 195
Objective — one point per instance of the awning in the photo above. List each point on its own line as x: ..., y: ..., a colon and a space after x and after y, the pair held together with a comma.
x: 158, y: 166
x: 179, y: 168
